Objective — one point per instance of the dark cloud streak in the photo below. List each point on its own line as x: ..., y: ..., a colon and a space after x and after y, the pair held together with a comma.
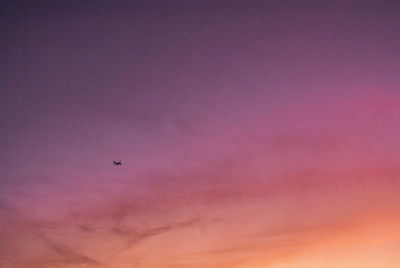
x: 137, y: 237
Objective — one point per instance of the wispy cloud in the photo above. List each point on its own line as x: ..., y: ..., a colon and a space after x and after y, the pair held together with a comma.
x: 134, y: 238
x: 67, y: 253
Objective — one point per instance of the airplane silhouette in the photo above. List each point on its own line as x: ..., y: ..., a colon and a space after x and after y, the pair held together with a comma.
x: 117, y: 163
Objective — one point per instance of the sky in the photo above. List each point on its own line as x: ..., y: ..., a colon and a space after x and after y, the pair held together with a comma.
x: 252, y: 134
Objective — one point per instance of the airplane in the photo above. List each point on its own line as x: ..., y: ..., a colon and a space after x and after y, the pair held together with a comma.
x: 117, y: 163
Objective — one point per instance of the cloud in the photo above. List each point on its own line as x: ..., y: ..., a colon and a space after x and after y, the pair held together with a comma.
x: 21, y: 224
x: 86, y: 228
x: 69, y: 255
x: 136, y: 237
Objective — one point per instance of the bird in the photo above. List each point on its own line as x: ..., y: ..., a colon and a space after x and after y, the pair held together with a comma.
x: 117, y: 163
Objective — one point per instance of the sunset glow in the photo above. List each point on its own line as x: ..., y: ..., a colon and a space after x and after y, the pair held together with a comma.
x: 251, y: 134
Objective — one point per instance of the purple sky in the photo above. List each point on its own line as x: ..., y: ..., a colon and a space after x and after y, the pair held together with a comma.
x: 206, y: 103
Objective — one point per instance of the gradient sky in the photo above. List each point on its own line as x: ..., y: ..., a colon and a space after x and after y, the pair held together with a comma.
x: 253, y: 134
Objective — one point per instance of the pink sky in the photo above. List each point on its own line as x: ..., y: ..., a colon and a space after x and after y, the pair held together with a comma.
x: 252, y: 134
